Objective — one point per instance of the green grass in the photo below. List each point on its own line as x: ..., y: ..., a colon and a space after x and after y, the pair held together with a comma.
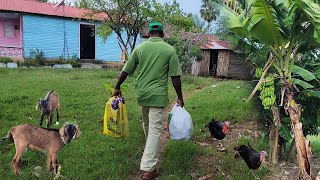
x: 82, y: 99
x: 97, y: 156
x: 315, y: 144
x: 223, y: 100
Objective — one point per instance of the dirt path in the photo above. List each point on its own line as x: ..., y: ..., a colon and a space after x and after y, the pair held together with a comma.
x: 290, y: 171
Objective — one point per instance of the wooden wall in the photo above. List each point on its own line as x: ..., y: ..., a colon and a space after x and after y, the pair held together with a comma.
x: 223, y: 63
x: 201, y: 68
x: 238, y: 69
x: 229, y: 65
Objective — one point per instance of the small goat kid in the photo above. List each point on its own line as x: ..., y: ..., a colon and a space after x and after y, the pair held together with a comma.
x: 47, y: 106
x: 37, y: 138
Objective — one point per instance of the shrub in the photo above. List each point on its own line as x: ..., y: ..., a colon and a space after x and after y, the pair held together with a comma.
x: 38, y: 56
x: 5, y: 59
x: 73, y: 60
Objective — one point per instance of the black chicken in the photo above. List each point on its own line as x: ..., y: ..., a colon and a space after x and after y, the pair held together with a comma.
x: 252, y: 158
x: 218, y: 130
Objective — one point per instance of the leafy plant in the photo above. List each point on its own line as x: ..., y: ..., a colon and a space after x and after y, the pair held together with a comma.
x: 38, y: 56
x: 293, y: 28
x: 186, y: 48
x: 123, y: 17
x: 110, y: 89
x: 5, y: 59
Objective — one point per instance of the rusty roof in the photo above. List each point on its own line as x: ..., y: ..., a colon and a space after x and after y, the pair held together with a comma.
x: 206, y: 41
x: 43, y: 8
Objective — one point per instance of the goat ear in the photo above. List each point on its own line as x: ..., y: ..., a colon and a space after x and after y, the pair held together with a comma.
x: 62, y: 130
x: 77, y: 132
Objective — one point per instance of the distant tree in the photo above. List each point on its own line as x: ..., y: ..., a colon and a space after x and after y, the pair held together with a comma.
x: 124, y: 17
x: 171, y: 15
x: 210, y: 10
x: 201, y: 26
x: 177, y: 23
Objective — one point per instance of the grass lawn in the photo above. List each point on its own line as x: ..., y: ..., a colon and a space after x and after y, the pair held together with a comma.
x: 82, y: 98
x: 222, y: 100
x: 97, y: 156
x: 315, y: 144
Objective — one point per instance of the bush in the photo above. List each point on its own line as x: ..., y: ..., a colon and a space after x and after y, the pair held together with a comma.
x: 73, y: 60
x: 5, y: 59
x: 75, y: 64
x: 36, y: 58
x: 28, y: 62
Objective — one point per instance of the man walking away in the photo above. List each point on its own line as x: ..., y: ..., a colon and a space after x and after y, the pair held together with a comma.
x: 155, y: 61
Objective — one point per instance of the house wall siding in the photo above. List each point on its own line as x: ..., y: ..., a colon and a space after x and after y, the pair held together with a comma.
x: 47, y: 33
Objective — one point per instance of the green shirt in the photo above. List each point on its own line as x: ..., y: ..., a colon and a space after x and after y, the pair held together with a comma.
x: 155, y: 61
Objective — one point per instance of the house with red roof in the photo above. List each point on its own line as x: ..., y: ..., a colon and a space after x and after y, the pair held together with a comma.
x: 56, y: 29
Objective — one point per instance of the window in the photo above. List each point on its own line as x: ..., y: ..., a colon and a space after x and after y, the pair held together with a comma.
x: 9, y: 29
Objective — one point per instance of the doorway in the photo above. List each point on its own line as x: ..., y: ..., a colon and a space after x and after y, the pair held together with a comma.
x: 87, y: 41
x: 213, y: 62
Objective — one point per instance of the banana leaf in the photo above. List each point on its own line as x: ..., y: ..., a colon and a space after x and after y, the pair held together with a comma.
x: 302, y: 83
x: 305, y: 74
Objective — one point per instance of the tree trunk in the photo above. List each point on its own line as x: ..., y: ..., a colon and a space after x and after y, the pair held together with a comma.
x: 274, y: 135
x: 291, y: 150
x: 294, y: 111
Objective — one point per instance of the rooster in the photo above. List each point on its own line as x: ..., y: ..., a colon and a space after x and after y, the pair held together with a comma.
x: 252, y: 157
x: 218, y: 130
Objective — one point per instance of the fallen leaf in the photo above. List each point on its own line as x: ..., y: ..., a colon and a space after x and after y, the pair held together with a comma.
x: 256, y: 135
x: 206, y: 177
x: 202, y: 144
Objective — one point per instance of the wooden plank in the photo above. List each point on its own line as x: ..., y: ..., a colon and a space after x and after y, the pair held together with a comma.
x: 223, y: 63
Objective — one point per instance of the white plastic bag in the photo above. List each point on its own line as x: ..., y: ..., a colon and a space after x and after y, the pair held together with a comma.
x: 180, y: 123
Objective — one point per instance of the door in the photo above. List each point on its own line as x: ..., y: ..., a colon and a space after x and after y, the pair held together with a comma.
x: 213, y: 62
x: 87, y: 41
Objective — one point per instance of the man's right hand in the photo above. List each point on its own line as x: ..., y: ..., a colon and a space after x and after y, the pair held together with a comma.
x: 117, y: 92
x: 180, y: 102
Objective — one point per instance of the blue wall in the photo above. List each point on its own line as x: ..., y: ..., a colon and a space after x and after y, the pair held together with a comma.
x: 47, y: 33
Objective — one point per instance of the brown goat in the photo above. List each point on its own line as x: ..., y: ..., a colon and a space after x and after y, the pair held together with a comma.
x: 37, y: 138
x: 47, y: 106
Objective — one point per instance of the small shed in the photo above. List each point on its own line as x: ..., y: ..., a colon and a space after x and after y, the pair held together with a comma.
x: 219, y: 60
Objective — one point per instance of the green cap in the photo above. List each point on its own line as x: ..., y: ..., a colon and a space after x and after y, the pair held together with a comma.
x: 155, y: 26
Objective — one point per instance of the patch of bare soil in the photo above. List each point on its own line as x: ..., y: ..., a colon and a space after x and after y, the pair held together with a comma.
x: 281, y: 171
x: 211, y: 166
x: 290, y: 171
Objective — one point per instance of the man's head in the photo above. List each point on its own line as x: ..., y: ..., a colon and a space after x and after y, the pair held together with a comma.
x: 155, y: 29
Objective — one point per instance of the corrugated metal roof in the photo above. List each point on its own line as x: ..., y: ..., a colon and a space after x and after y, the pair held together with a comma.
x: 210, y: 42
x: 206, y: 41
x: 37, y: 7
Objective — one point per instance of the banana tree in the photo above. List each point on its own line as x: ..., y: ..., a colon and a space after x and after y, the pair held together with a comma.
x: 286, y: 28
